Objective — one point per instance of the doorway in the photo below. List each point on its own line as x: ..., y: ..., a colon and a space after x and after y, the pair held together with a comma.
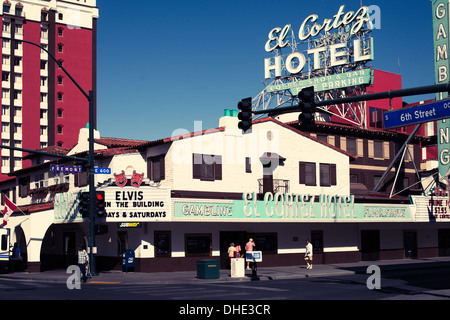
x: 444, y: 242
x: 70, y: 248
x: 410, y: 244
x: 122, y: 242
x: 370, y: 245
x: 227, y: 237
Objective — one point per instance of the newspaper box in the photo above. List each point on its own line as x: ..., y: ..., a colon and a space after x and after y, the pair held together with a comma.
x: 237, y: 268
x: 128, y: 260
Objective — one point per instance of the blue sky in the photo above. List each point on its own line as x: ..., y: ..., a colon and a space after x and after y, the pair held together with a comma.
x: 164, y: 64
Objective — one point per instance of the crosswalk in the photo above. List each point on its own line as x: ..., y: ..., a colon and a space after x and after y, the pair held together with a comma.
x: 189, y: 292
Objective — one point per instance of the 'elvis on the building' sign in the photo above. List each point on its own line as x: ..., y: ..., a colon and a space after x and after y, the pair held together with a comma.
x: 131, y: 199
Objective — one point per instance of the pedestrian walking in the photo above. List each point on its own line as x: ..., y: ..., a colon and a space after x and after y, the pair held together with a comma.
x: 309, y: 254
x: 231, y: 252
x: 83, y: 261
x: 249, y: 248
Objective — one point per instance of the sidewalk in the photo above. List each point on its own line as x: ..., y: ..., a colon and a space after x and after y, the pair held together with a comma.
x: 263, y: 273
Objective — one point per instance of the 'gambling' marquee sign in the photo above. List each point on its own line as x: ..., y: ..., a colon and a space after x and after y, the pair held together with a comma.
x: 291, y: 208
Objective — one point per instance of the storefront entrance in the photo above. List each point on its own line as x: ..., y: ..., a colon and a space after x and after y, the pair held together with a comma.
x: 69, y: 248
x: 444, y: 242
x: 410, y: 241
x: 370, y: 245
x: 227, y: 237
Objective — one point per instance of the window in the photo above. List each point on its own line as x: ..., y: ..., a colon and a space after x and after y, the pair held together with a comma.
x: 60, y: 32
x: 17, y: 45
x: 60, y: 47
x: 60, y: 16
x: 322, y: 137
x: 207, y: 167
x: 6, y: 27
x: 5, y: 161
x: 265, y: 242
x: 5, y: 110
x: 17, y: 61
x: 4, y: 193
x: 376, y: 180
x: 59, y: 113
x: 308, y: 173
x: 156, y: 168
x: 17, y: 128
x: 24, y: 187
x: 163, y: 245
x: 351, y: 146
x: 5, y: 60
x: 18, y: 11
x: 5, y: 76
x: 43, y: 65
x: 17, y: 111
x: 81, y: 179
x: 248, y: 165
x: 4, y: 242
x: 317, y: 241
x: 18, y: 29
x: 60, y: 96
x: 198, y: 245
x: 378, y: 149
x: 60, y: 80
x: 5, y: 44
x: 60, y: 129
x: 17, y: 94
x: 327, y: 175
x: 5, y: 127
x: 43, y: 130
x: 43, y: 81
x: 6, y: 8
x: 5, y: 93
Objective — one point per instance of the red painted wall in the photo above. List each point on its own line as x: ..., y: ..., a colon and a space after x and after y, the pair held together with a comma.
x: 77, y: 60
x: 31, y: 93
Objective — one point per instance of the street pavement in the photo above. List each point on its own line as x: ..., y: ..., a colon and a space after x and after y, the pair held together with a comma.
x: 263, y: 273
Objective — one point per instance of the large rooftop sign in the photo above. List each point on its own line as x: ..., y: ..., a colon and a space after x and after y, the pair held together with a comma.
x: 322, y: 49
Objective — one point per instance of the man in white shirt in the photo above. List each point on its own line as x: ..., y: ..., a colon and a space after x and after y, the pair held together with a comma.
x: 309, y: 254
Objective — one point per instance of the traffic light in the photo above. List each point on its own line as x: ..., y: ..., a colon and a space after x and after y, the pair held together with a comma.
x: 100, y: 201
x: 84, y: 204
x: 307, y: 106
x: 245, y: 114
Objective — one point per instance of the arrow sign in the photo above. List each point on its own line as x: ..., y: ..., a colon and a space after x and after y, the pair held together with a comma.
x: 418, y: 114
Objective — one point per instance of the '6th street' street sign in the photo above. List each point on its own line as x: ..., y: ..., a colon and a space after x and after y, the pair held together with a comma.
x: 418, y: 114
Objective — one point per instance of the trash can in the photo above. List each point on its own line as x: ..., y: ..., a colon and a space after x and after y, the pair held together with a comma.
x: 208, y: 269
x: 128, y: 260
x: 237, y: 267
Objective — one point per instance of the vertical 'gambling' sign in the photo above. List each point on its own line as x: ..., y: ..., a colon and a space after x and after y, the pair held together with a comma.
x: 441, y: 45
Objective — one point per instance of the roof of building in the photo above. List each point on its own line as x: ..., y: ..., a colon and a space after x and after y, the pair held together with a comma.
x: 351, y: 130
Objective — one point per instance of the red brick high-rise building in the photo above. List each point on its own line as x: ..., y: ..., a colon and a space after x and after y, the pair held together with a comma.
x: 41, y: 107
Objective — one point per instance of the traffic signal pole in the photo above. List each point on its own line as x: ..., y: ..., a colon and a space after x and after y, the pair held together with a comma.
x: 437, y: 88
x: 92, y: 247
x: 445, y: 87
